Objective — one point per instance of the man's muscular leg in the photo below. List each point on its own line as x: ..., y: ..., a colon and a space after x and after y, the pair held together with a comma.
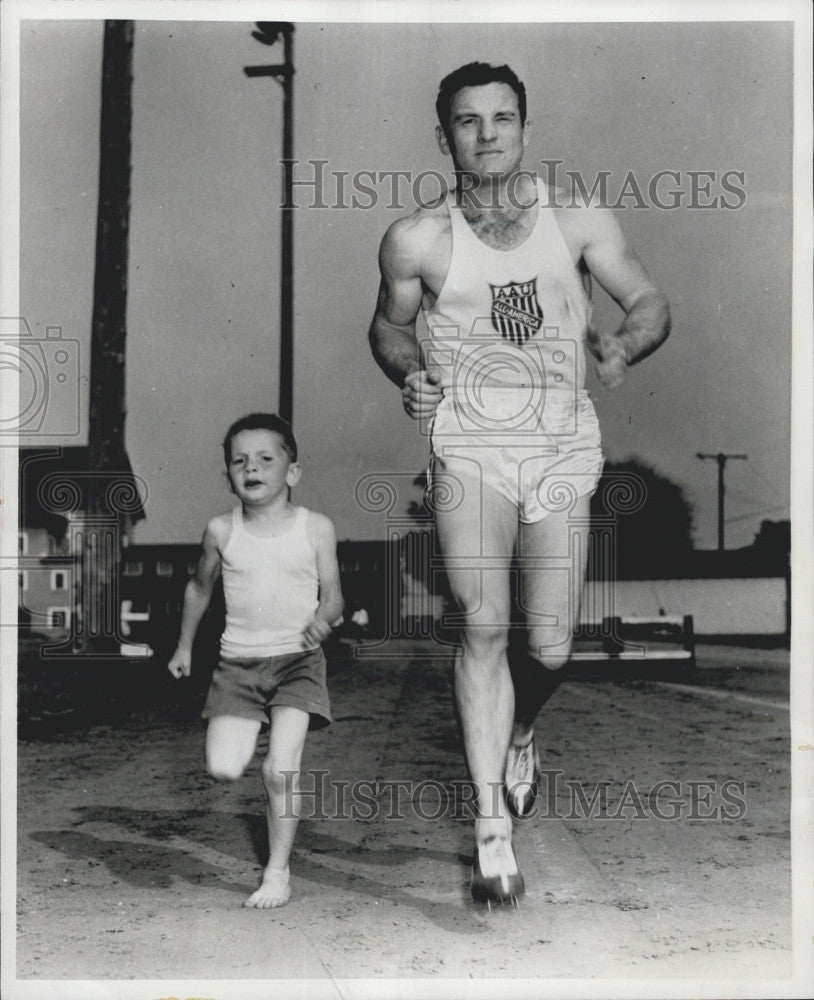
x: 477, y: 539
x: 552, y: 555
x: 550, y: 597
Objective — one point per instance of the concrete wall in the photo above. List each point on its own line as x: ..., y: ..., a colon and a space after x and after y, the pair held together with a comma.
x: 745, y: 606
x: 718, y: 607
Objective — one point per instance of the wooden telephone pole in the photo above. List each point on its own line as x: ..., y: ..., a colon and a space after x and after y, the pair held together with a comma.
x: 101, y: 537
x: 721, y: 458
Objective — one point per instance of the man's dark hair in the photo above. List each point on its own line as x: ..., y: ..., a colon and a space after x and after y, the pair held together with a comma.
x: 476, y: 74
x: 261, y: 422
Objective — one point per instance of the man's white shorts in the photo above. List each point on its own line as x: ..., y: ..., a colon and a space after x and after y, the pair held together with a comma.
x: 540, y: 449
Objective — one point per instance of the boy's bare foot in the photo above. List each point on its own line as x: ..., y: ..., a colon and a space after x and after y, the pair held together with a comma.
x: 275, y: 890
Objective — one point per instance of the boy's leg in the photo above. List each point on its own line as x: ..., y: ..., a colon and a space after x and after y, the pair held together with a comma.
x: 289, y: 727
x: 230, y: 743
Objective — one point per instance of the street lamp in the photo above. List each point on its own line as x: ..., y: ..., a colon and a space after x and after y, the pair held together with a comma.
x: 268, y: 33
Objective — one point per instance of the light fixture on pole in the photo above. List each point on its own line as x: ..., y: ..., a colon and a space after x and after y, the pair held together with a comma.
x: 268, y: 33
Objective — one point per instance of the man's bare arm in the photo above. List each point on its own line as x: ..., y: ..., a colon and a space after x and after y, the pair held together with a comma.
x: 392, y: 333
x: 620, y: 272
x: 646, y: 326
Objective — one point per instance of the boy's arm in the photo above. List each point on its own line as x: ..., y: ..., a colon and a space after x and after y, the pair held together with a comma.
x: 331, y: 604
x: 196, y: 599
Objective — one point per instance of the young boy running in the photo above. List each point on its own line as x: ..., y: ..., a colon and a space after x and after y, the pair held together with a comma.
x: 281, y: 584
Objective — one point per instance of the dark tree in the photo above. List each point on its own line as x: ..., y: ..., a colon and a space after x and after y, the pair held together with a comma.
x: 652, y: 520
x: 772, y: 547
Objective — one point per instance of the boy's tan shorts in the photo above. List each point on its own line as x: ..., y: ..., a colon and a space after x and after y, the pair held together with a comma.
x: 250, y: 688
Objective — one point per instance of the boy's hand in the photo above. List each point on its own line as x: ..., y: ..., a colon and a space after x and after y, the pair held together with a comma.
x: 316, y: 631
x: 180, y: 664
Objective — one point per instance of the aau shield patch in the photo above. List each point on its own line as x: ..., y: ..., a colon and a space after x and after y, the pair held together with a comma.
x: 516, y: 313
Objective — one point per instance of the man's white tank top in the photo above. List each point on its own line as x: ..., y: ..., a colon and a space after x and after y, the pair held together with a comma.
x: 510, y: 317
x: 271, y: 586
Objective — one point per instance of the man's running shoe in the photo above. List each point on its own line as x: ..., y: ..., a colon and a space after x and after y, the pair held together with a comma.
x: 495, y: 875
x: 520, y: 778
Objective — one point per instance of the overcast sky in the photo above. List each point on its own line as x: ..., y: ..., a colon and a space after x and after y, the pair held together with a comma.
x: 204, y: 255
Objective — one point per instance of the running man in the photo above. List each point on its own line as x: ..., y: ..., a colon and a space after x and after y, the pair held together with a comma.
x: 502, y: 275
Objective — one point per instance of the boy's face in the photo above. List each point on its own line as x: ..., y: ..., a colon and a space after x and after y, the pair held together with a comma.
x: 260, y: 469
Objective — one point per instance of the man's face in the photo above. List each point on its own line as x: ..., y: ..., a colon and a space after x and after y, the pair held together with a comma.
x: 485, y: 133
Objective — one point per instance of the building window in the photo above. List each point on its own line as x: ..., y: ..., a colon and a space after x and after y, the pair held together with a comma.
x: 59, y: 579
x: 22, y: 543
x: 22, y: 579
x: 163, y: 568
x: 132, y: 568
x: 56, y: 548
x: 59, y: 617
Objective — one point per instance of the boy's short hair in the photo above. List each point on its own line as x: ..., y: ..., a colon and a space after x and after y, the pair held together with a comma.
x: 261, y: 422
x: 476, y: 74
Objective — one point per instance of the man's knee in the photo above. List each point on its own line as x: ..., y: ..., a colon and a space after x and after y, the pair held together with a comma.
x: 550, y: 657
x: 484, y: 637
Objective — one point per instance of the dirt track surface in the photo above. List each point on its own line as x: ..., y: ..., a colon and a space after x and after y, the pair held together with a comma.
x: 133, y: 863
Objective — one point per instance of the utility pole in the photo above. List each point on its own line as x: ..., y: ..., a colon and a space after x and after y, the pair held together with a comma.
x: 721, y: 458
x: 268, y: 33
x: 100, y: 537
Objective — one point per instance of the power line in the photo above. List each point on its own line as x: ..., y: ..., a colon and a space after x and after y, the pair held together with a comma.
x: 756, y: 513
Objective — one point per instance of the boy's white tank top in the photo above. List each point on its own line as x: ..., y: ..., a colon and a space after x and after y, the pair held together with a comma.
x: 510, y: 317
x: 271, y: 587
